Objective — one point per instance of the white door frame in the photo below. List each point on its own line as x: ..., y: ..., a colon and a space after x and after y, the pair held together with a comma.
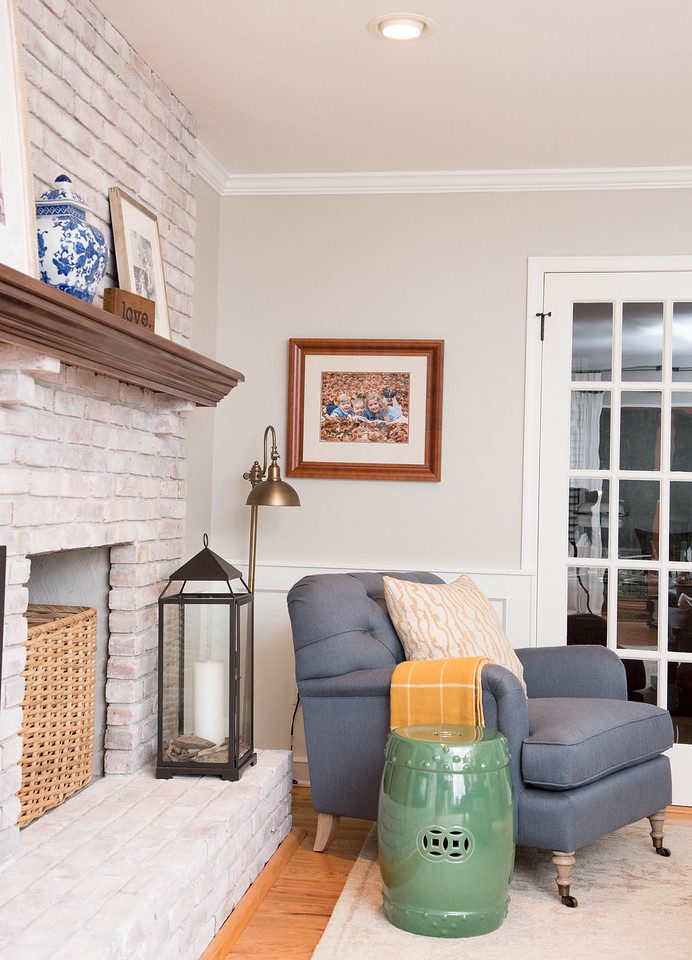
x: 537, y: 268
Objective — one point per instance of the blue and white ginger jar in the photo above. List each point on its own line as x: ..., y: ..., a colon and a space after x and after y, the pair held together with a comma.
x: 72, y: 254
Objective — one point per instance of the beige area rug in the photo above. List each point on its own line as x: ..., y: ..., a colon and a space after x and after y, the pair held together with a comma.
x: 633, y: 905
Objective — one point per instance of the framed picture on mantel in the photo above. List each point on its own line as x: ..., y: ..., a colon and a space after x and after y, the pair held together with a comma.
x: 365, y: 409
x: 18, y: 244
x: 138, y: 254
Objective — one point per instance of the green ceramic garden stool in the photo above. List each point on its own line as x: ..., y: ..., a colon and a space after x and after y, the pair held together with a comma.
x: 446, y: 830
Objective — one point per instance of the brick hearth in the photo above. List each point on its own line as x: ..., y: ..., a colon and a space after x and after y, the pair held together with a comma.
x: 134, y: 868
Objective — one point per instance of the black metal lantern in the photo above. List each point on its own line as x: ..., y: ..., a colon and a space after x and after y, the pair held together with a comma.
x: 205, y: 724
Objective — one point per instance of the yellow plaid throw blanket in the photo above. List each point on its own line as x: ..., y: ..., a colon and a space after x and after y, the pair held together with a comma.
x: 437, y: 691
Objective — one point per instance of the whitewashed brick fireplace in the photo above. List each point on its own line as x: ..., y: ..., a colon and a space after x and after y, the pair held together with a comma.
x: 88, y: 461
x: 92, y: 455
x: 87, y: 458
x: 130, y: 866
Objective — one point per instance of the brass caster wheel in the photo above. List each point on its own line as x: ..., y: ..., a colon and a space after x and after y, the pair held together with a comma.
x: 570, y: 901
x: 663, y: 851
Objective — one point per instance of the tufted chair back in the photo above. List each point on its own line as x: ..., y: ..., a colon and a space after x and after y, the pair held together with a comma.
x: 340, y: 623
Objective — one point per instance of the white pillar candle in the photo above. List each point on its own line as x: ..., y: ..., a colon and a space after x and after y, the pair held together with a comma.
x: 209, y: 719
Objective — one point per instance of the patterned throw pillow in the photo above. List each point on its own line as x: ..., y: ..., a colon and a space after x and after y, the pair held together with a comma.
x: 437, y: 620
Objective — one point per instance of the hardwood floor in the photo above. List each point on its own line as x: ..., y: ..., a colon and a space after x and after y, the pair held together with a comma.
x: 292, y: 900
x: 292, y: 916
x: 679, y: 815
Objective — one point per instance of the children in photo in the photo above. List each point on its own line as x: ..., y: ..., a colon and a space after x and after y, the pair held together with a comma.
x: 358, y: 407
x: 343, y: 410
x: 375, y: 409
x: 394, y: 411
x: 364, y: 406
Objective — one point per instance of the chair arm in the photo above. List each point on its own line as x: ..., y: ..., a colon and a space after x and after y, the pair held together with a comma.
x: 347, y: 724
x: 578, y: 671
x: 505, y: 709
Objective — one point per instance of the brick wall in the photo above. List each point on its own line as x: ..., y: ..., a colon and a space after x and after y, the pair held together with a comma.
x: 98, y: 113
x: 87, y: 461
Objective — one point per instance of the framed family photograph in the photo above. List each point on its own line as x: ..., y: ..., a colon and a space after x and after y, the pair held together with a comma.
x: 137, y: 246
x: 18, y: 244
x: 365, y: 409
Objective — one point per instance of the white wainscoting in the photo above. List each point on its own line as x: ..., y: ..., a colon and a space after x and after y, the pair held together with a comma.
x: 510, y: 592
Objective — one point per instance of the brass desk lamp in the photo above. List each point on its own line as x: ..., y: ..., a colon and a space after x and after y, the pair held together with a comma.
x: 268, y: 490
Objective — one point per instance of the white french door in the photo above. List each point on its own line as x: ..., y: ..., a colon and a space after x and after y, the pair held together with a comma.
x: 615, y: 482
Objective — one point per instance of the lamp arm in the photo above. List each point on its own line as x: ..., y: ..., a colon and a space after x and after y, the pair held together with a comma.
x: 274, y: 452
x: 256, y: 475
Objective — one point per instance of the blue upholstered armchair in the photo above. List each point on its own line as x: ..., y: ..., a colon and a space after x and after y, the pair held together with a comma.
x: 584, y: 760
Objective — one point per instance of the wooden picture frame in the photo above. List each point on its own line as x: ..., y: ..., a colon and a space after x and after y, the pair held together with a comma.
x: 137, y: 246
x: 388, y: 425
x: 18, y: 243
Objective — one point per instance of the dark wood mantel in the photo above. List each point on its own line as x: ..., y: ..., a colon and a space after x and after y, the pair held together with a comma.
x: 37, y: 316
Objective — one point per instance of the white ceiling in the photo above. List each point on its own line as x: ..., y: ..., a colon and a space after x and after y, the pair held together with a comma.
x: 302, y: 86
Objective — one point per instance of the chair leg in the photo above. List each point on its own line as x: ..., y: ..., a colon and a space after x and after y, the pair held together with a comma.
x: 564, y: 861
x: 657, y: 820
x: 326, y: 825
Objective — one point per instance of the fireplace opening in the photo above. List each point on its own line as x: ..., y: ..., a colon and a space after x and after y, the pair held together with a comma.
x: 79, y: 578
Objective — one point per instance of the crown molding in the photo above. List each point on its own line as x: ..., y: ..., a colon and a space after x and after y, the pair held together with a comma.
x: 210, y: 170
x: 438, y: 181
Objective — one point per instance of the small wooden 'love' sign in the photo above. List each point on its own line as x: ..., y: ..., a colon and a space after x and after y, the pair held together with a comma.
x: 130, y: 306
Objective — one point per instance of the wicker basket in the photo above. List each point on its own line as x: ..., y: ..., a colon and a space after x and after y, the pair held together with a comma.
x: 59, y: 699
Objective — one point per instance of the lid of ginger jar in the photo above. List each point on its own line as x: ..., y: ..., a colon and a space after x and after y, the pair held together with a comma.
x: 61, y: 200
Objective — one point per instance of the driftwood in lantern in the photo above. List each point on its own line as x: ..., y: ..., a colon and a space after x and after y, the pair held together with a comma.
x: 59, y: 703
x: 197, y: 749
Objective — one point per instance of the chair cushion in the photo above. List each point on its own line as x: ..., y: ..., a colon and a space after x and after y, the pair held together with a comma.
x: 575, y: 741
x: 448, y: 620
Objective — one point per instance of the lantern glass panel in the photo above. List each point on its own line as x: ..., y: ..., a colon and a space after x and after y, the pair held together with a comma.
x: 197, y: 642
x: 245, y: 666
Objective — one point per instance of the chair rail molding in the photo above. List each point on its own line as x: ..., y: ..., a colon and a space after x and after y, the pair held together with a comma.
x: 509, y: 591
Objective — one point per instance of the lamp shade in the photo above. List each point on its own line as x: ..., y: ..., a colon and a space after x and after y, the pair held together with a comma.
x: 273, y: 493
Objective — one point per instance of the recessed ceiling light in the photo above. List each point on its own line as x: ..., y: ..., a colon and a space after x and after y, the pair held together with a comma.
x: 401, y: 26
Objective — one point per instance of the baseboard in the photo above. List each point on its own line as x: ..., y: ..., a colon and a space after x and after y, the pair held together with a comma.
x: 301, y: 774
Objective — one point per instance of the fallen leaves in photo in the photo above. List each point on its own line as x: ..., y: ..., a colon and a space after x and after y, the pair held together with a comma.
x: 357, y: 384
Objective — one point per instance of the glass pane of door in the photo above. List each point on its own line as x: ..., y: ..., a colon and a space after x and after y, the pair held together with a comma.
x: 680, y: 699
x: 682, y: 342
x: 588, y: 518
x: 637, y: 600
x: 638, y: 519
x: 642, y: 341
x: 590, y: 430
x: 592, y: 341
x: 640, y: 430
x: 679, y: 604
x: 587, y: 605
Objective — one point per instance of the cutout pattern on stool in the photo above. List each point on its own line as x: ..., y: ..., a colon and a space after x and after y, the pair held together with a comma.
x: 454, y: 844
